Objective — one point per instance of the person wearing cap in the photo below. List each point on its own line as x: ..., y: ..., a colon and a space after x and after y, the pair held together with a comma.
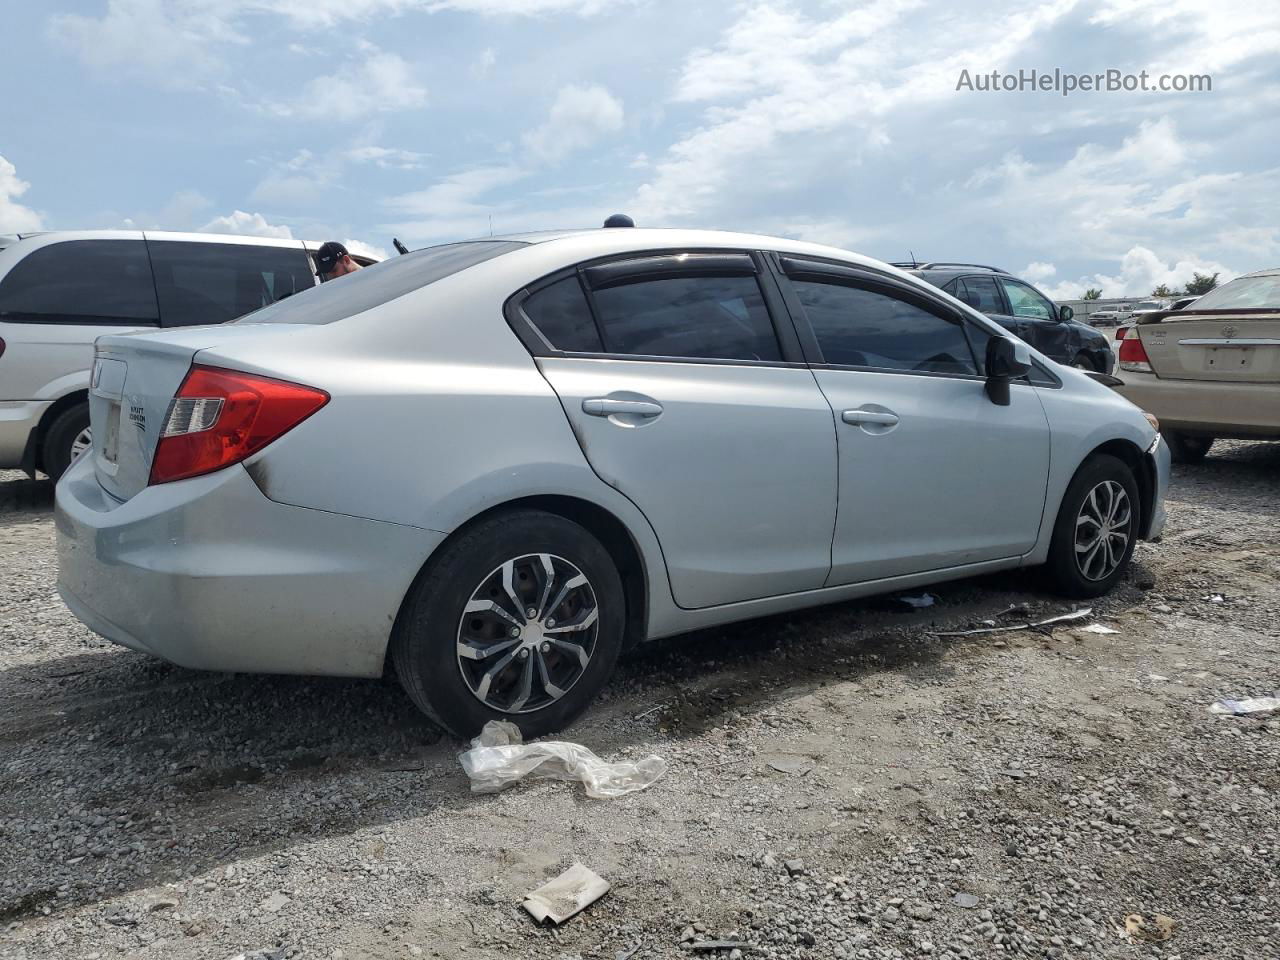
x: 333, y: 260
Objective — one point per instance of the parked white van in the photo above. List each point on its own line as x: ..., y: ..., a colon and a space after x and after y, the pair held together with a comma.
x: 60, y: 291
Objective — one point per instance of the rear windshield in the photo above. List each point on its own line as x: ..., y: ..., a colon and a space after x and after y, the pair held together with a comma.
x: 1243, y: 292
x: 368, y: 288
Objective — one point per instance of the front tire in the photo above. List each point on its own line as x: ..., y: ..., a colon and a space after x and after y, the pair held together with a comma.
x: 1084, y: 362
x: 1187, y: 449
x: 1096, y: 529
x: 68, y: 436
x: 520, y: 618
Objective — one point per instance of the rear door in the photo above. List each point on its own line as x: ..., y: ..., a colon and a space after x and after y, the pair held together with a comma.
x: 688, y: 394
x: 1236, y: 346
x: 200, y: 283
x: 57, y: 299
x: 932, y: 473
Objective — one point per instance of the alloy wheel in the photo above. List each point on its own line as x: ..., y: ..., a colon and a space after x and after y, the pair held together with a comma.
x: 1102, y: 530
x: 528, y: 633
x: 82, y: 442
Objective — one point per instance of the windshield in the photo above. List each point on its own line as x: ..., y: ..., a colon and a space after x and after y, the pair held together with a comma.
x: 373, y: 286
x: 1243, y: 292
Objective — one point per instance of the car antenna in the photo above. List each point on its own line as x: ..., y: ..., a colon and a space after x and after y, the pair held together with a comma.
x: 491, y: 224
x: 912, y: 255
x: 400, y: 247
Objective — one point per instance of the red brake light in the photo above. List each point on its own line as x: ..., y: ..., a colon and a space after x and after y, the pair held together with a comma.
x: 220, y: 417
x: 1133, y: 355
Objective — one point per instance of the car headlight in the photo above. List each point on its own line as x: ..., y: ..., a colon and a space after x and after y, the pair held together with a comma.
x: 1151, y: 419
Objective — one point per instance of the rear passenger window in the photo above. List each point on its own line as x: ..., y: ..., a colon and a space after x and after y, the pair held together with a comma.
x: 981, y: 294
x: 714, y: 318
x: 81, y: 281
x: 561, y: 314
x: 866, y: 328
x: 203, y: 283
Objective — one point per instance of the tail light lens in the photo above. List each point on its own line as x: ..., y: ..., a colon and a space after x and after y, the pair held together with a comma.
x: 220, y: 417
x: 1133, y: 355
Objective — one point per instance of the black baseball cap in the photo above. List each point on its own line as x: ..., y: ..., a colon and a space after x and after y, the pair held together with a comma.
x: 327, y: 257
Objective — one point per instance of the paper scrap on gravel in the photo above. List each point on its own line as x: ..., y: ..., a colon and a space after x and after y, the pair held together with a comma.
x: 1061, y: 618
x: 499, y: 757
x: 568, y: 894
x: 1243, y: 708
x: 1157, y: 930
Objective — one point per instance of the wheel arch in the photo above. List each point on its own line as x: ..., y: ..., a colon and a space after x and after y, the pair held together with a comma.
x: 1144, y: 475
x: 33, y: 455
x: 600, y: 522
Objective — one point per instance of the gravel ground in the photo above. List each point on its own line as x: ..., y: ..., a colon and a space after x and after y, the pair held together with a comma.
x: 842, y: 783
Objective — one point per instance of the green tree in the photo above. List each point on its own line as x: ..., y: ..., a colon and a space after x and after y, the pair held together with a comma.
x: 1163, y: 291
x: 1202, y: 284
x: 1093, y: 293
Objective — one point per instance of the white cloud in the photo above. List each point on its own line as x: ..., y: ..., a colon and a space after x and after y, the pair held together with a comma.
x: 1141, y: 270
x: 362, y: 249
x: 389, y: 158
x: 373, y: 82
x: 246, y: 224
x: 14, y: 217
x: 484, y: 63
x: 580, y: 116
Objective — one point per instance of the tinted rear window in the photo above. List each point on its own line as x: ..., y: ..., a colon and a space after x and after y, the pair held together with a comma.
x: 81, y: 281
x: 201, y: 283
x: 373, y: 286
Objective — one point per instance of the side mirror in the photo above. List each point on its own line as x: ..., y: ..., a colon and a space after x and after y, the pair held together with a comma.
x: 1065, y: 314
x: 1007, y: 360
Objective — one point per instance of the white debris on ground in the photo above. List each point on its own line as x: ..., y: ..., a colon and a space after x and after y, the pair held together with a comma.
x: 841, y: 783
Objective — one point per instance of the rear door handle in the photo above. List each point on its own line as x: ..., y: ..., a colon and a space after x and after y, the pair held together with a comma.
x: 858, y: 417
x: 607, y: 407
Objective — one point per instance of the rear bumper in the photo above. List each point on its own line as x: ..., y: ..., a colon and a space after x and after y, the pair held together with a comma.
x: 1207, y: 407
x: 208, y: 573
x: 17, y: 419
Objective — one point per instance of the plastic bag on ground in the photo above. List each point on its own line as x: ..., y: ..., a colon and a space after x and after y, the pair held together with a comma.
x: 499, y: 757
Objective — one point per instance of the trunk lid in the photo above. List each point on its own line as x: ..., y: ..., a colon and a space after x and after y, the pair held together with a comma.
x: 134, y: 378
x: 1237, y: 346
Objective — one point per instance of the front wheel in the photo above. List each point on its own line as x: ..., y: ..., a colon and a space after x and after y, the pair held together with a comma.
x: 1096, y: 529
x: 520, y: 618
x: 1186, y: 449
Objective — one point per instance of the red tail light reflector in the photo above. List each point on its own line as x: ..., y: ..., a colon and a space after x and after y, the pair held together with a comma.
x: 220, y: 417
x: 1133, y: 355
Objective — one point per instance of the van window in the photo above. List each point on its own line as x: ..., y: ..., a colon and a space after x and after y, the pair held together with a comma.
x: 92, y: 282
x: 204, y: 283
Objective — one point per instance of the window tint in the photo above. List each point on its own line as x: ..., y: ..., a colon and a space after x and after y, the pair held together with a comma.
x: 81, y: 281
x: 380, y: 283
x: 1025, y: 302
x: 865, y: 328
x: 716, y: 318
x: 200, y: 283
x: 982, y: 294
x: 561, y: 314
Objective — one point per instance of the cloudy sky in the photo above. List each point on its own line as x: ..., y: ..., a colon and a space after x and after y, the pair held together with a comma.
x: 839, y: 122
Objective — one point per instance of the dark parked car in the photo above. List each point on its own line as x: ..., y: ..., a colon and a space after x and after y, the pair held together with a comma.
x: 1023, y: 310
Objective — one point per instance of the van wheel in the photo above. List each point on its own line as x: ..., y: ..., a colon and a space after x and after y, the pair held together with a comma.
x: 520, y: 618
x: 1096, y: 529
x: 1186, y: 449
x: 68, y: 437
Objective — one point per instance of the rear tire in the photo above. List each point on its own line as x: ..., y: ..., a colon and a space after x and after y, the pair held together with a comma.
x: 1084, y: 362
x: 1096, y: 529
x: 63, y: 440
x: 448, y: 637
x: 1186, y: 449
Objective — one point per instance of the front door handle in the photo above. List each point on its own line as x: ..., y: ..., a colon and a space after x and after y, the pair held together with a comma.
x: 876, y: 417
x: 608, y: 407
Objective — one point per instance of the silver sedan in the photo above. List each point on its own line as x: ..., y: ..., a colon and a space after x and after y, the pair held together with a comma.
x: 497, y: 464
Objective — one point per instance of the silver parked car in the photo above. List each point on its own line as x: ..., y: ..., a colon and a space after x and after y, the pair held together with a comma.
x: 497, y: 464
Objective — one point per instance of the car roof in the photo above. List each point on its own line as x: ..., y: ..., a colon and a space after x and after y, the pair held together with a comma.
x: 49, y: 236
x: 1268, y: 272
x: 939, y: 276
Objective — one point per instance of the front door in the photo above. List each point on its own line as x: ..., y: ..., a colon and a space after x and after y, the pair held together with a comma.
x: 933, y: 474
x: 672, y: 374
x: 1038, y: 322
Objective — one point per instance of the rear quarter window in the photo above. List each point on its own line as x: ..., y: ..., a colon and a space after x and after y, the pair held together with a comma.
x: 91, y: 282
x: 373, y: 286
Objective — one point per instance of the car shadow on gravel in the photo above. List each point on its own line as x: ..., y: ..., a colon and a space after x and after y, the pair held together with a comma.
x: 18, y: 494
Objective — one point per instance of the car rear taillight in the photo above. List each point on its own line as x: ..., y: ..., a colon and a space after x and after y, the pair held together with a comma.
x: 1133, y: 355
x: 220, y: 417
